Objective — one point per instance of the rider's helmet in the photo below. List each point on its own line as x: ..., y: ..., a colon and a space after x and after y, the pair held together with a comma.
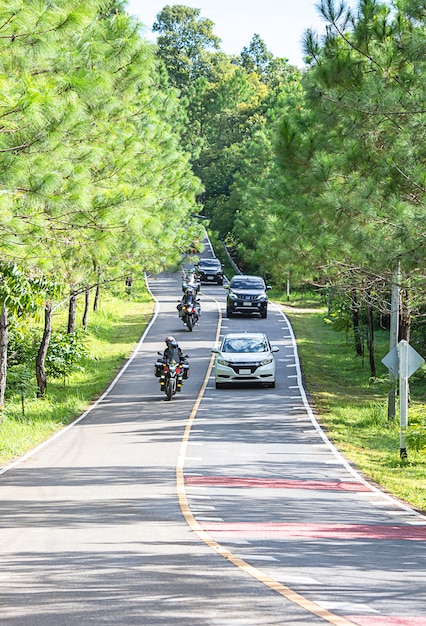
x: 171, y: 342
x: 189, y: 292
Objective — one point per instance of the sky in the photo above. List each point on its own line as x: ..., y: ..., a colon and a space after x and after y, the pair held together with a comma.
x: 280, y: 23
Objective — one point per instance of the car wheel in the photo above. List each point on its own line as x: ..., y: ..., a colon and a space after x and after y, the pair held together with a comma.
x: 264, y: 314
x: 220, y: 385
x: 228, y: 312
x: 272, y: 385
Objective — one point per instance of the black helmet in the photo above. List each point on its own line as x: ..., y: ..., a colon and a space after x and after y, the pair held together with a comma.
x: 171, y: 342
x: 189, y: 291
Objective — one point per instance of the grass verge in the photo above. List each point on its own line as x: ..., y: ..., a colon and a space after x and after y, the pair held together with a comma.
x: 353, y: 409
x: 113, y: 332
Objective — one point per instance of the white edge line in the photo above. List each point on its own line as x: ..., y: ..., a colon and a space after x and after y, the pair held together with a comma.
x: 60, y: 432
x: 329, y: 444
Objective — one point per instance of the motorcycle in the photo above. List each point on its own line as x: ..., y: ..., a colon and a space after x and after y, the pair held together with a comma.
x: 171, y: 375
x: 190, y: 314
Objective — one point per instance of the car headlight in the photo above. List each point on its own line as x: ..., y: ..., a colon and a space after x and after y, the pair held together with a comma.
x: 222, y: 362
x: 233, y: 296
x: 261, y: 297
x: 267, y: 361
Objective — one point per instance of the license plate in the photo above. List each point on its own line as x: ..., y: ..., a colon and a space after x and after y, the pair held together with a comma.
x: 209, y: 277
x: 244, y: 372
x: 246, y: 303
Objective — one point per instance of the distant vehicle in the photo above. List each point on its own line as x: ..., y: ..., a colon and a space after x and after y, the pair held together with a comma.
x: 245, y: 358
x: 210, y: 271
x: 247, y: 294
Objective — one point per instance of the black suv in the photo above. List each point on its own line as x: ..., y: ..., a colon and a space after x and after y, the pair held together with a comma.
x: 210, y: 271
x: 247, y: 294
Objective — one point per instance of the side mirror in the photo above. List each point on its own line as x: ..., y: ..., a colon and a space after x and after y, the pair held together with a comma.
x: 160, y: 353
x: 215, y: 350
x: 275, y: 349
x: 226, y: 286
x: 268, y: 287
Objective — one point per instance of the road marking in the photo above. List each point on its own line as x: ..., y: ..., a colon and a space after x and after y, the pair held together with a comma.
x: 283, y: 530
x: 259, y: 557
x: 388, y: 620
x: 278, y: 483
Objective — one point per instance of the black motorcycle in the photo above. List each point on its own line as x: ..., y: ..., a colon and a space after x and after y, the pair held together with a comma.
x: 171, y: 375
x: 190, y: 314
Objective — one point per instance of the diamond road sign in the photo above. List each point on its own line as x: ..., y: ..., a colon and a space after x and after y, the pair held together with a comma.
x: 391, y: 360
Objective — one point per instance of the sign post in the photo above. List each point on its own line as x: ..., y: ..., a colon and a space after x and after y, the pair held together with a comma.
x: 403, y: 361
x: 403, y: 396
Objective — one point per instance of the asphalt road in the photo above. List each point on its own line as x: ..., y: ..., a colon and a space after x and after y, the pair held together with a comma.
x: 221, y: 507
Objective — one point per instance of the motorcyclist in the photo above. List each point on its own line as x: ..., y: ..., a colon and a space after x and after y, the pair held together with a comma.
x: 172, y: 352
x: 189, y: 297
x: 190, y: 279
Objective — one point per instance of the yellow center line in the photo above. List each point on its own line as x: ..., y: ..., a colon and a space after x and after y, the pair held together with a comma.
x: 283, y: 590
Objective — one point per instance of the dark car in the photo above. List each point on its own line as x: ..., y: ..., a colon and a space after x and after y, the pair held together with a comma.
x: 247, y: 294
x: 210, y: 271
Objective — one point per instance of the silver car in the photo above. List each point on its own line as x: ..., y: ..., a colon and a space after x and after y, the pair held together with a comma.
x: 245, y: 358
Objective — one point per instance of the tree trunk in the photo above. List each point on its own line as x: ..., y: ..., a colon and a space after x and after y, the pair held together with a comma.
x: 359, y: 347
x: 129, y: 284
x: 371, y: 339
x: 3, y: 353
x: 405, y: 318
x: 42, y: 351
x: 96, y: 299
x: 86, y: 307
x: 72, y: 310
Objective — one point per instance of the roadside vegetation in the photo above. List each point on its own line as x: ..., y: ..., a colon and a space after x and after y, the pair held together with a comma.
x: 351, y: 406
x: 109, y: 339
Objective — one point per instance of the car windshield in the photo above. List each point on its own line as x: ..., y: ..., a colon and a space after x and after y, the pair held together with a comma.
x: 209, y: 263
x: 245, y: 344
x: 247, y: 284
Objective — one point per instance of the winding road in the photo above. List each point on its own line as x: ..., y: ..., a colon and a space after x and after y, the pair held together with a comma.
x: 222, y: 507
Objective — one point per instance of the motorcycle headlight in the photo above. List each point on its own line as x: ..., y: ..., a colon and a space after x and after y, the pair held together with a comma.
x: 267, y: 361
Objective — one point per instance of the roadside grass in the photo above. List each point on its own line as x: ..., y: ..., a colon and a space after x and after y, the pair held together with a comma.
x: 353, y: 409
x: 113, y: 332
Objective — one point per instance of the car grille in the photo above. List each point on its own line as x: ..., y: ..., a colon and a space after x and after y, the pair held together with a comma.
x: 247, y: 297
x: 245, y: 366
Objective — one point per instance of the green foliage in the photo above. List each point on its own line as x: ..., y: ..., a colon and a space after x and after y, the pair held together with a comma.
x: 184, y: 43
x: 66, y: 353
x: 415, y: 434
